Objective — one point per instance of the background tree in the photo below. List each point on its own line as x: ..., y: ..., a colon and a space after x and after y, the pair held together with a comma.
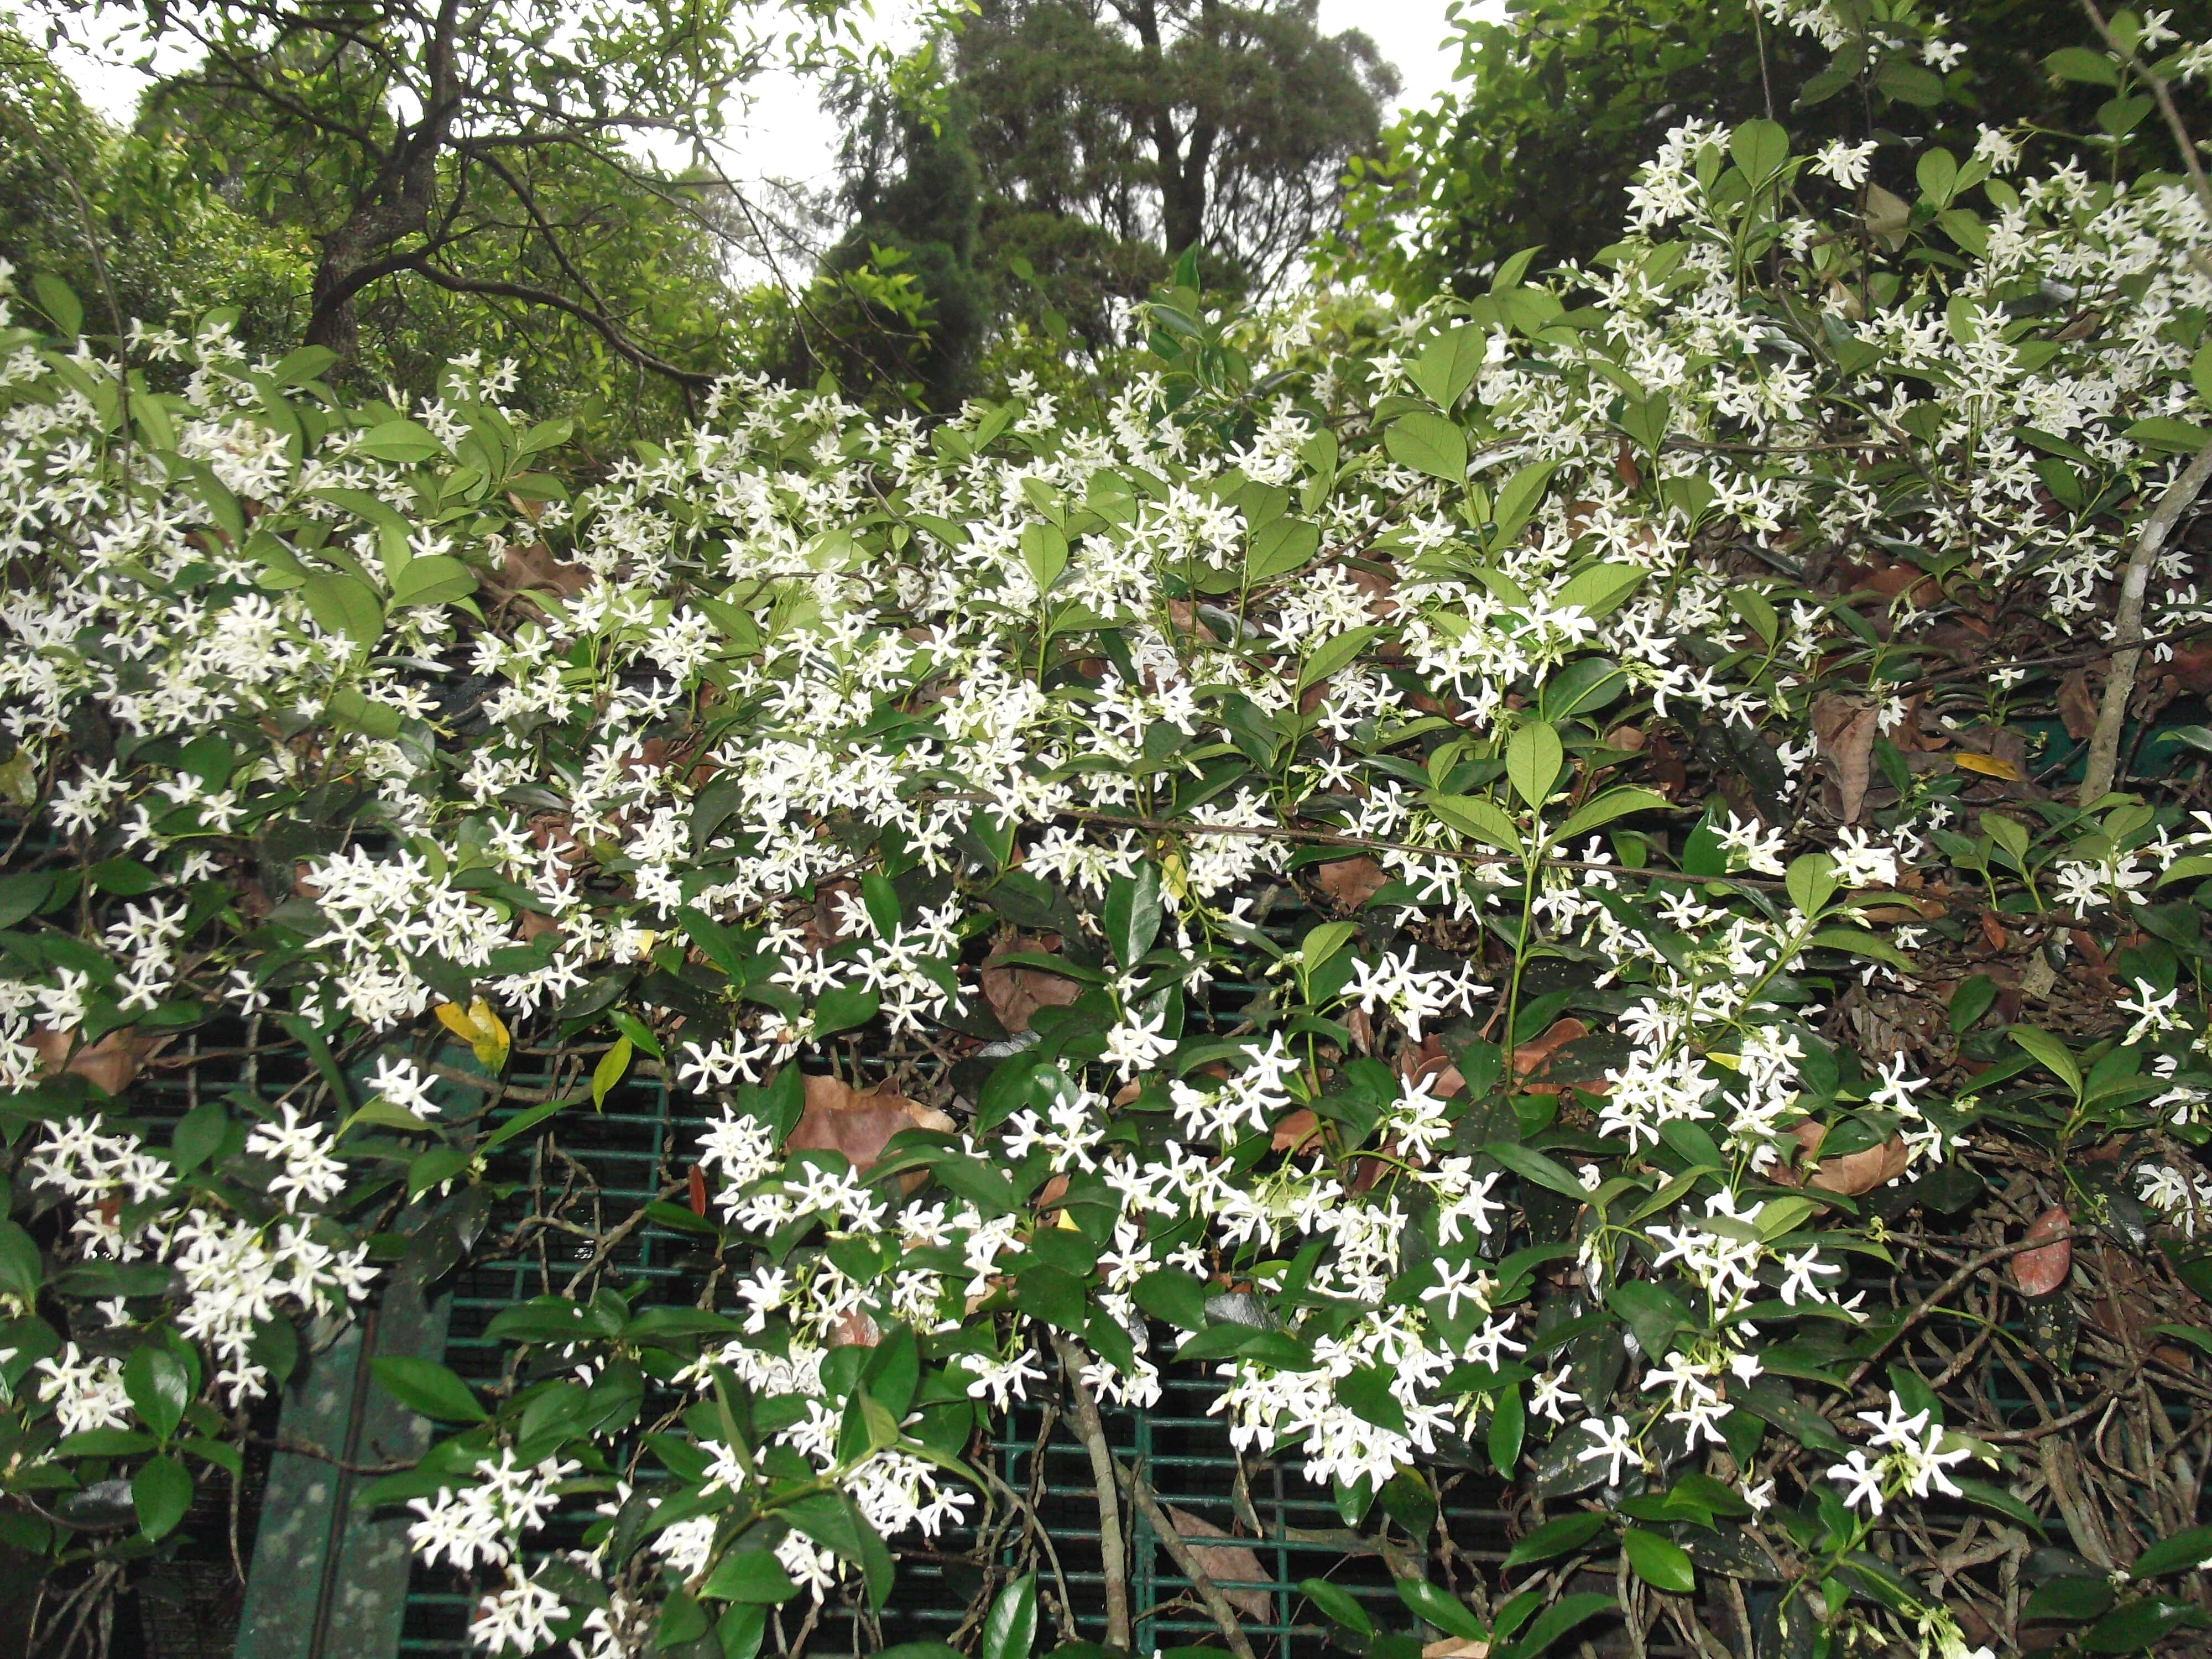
x: 514, y: 178
x: 1113, y: 135
x: 1559, y: 104
x: 122, y: 219
x: 901, y: 303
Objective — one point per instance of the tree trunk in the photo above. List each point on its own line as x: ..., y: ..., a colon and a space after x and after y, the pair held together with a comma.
x: 395, y: 206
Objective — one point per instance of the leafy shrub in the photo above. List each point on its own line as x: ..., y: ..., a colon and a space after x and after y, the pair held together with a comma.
x: 1491, y: 889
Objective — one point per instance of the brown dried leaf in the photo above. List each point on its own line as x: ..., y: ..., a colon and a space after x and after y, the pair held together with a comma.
x: 1845, y: 731
x: 1351, y: 882
x: 838, y: 1118
x: 1457, y: 1647
x: 1015, y: 993
x: 2040, y: 1272
x: 2076, y: 707
x: 522, y: 568
x: 108, y: 1064
x: 1224, y: 1564
x: 1296, y: 1131
x: 1859, y: 1172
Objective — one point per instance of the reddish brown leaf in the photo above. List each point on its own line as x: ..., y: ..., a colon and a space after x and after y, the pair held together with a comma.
x: 698, y: 1190
x: 1859, y: 1172
x: 109, y: 1065
x: 2076, y: 707
x: 1224, y: 1564
x: 1351, y: 882
x: 1016, y: 993
x: 840, y: 1119
x: 1296, y: 1131
x: 1845, y: 732
x: 1992, y: 931
x: 2040, y: 1272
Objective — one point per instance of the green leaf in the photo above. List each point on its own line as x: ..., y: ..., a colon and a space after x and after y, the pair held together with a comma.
x: 2200, y: 372
x: 1171, y: 1294
x: 1653, y: 1312
x: 610, y: 1070
x: 1937, y: 175
x: 1555, y: 1538
x: 1997, y: 1498
x: 2080, y: 63
x: 437, y: 580
x: 1857, y: 941
x: 1761, y: 148
x: 1337, y: 1605
x: 1518, y: 499
x: 842, y: 1007
x: 2048, y: 1051
x: 1367, y: 1393
x: 402, y: 441
x: 1532, y: 1165
x: 1480, y: 818
x: 1133, y: 914
x: 2168, y: 436
x: 1659, y: 1562
x: 1044, y: 555
x: 1427, y: 443
x: 752, y: 1576
x: 1449, y: 364
x: 159, y: 1388
x: 2184, y: 1552
x: 1334, y: 653
x: 2135, y: 1626
x: 2076, y: 1600
x: 161, y: 1493
x: 1602, y: 809
x: 1556, y: 1620
x: 63, y: 311
x: 344, y: 604
x: 1010, y: 1629
x: 427, y: 1386
x: 1508, y: 1426
x: 1811, y: 883
x: 1281, y: 546
x: 1601, y: 589
x: 1445, y: 1612
x: 1533, y: 760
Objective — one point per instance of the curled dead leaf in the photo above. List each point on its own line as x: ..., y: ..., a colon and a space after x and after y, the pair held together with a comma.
x: 1016, y: 993
x: 838, y: 1118
x: 2077, y: 706
x: 1855, y: 1172
x: 2040, y: 1272
x: 108, y: 1064
x: 1224, y: 1564
x: 1296, y: 1131
x: 855, y: 1329
x: 1990, y: 766
x: 1351, y: 882
x: 1845, y: 732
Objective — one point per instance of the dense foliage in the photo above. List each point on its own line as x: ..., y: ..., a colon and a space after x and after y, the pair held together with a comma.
x: 1558, y: 101
x: 1493, y: 888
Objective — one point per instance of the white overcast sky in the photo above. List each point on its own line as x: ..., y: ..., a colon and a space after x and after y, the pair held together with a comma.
x: 789, y: 138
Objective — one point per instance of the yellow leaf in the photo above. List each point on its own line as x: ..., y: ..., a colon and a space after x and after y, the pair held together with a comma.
x: 1987, y: 765
x: 480, y: 1029
x: 609, y: 1072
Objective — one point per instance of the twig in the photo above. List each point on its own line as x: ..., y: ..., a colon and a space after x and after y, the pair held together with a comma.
x: 1930, y: 1303
x: 1113, y: 1559
x: 1224, y: 1616
x: 2127, y: 634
